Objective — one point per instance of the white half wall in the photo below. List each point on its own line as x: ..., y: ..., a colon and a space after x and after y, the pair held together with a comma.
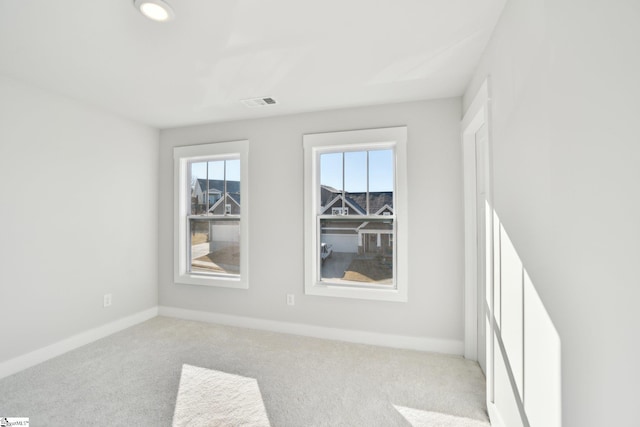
x: 566, y: 155
x: 436, y: 268
x: 78, y: 218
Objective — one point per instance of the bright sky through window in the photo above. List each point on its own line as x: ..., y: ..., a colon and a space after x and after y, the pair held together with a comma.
x: 216, y: 170
x: 355, y: 168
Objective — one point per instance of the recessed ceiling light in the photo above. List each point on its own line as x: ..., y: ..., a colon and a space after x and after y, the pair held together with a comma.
x: 157, y: 10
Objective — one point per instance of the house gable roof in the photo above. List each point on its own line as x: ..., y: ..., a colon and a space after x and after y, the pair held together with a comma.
x: 378, y: 202
x: 232, y: 198
x: 384, y: 208
x: 348, y: 202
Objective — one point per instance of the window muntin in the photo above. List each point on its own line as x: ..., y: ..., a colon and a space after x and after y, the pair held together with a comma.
x: 211, y: 241
x: 356, y: 237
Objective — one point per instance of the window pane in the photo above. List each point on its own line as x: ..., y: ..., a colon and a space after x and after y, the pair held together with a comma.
x: 381, y: 173
x: 330, y: 181
x: 198, y: 174
x: 232, y: 204
x: 357, y: 252
x: 355, y: 181
x: 215, y: 246
x: 216, y: 183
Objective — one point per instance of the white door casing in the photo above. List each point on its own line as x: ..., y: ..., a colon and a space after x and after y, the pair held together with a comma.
x: 478, y: 226
x: 481, y: 244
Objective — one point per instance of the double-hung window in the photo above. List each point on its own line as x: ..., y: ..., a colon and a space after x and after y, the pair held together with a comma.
x: 211, y: 211
x: 356, y: 214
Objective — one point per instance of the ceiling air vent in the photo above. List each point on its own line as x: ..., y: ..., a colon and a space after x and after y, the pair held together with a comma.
x: 258, y: 102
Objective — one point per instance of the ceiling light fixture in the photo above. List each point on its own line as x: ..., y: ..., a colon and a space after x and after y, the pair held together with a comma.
x: 157, y: 10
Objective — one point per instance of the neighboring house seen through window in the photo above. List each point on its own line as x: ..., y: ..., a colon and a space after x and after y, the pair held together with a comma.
x: 211, y: 221
x: 355, y: 207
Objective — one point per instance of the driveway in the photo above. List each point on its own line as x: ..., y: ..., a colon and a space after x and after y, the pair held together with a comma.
x: 335, y: 266
x: 199, y: 250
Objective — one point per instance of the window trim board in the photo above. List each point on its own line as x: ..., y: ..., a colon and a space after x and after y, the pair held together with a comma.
x: 182, y: 155
x: 355, y: 140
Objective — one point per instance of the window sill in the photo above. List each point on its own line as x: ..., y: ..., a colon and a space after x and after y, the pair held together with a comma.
x: 328, y: 289
x: 218, y: 281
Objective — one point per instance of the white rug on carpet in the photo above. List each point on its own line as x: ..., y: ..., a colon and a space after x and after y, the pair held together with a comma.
x: 213, y: 398
x: 419, y: 418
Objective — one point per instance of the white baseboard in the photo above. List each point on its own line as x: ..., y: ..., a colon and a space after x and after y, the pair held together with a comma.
x: 35, y: 357
x: 362, y: 337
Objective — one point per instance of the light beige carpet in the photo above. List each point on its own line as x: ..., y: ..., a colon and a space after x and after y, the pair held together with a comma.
x: 419, y: 418
x: 134, y: 375
x: 213, y: 398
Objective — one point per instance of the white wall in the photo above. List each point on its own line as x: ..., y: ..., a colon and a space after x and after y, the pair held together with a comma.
x: 566, y: 156
x: 78, y: 218
x: 435, y: 307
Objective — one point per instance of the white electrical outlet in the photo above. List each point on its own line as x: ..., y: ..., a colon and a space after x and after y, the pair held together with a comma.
x: 107, y: 300
x: 291, y: 299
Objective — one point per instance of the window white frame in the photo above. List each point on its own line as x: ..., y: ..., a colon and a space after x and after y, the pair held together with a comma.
x: 182, y: 198
x: 357, y: 140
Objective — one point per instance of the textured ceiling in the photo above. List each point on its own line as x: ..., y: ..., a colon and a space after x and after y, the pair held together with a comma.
x: 308, y: 55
